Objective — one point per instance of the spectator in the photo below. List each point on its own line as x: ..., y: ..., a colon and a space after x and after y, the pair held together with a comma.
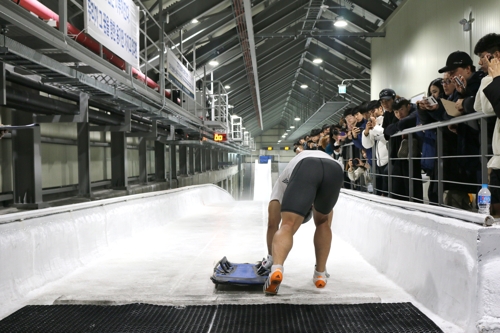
x: 359, y: 115
x: 429, y: 146
x: 360, y: 170
x: 387, y: 97
x: 459, y: 66
x: 312, y: 143
x: 406, y: 117
x: 334, y: 147
x: 488, y: 49
x: 373, y: 135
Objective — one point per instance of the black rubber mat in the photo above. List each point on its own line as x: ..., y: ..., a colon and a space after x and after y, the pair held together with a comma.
x: 273, y: 318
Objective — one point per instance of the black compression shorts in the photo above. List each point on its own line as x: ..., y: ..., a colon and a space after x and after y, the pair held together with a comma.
x: 313, y: 181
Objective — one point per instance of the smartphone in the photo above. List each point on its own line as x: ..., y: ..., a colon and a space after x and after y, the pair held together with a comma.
x: 459, y: 82
x: 431, y: 100
x: 342, y: 133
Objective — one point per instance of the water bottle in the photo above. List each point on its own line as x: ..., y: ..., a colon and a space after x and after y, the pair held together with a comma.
x: 484, y: 200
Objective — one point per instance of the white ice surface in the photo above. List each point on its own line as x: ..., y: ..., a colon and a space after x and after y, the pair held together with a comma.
x: 172, y: 265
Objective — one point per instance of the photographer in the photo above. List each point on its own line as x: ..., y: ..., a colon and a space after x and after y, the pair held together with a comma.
x: 359, y: 170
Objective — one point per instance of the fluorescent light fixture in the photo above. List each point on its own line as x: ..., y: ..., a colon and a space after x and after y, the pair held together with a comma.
x: 342, y: 89
x: 304, y: 86
x: 194, y: 21
x: 318, y: 61
x: 227, y: 87
x: 214, y: 63
x: 279, y: 141
x: 340, y: 22
x: 297, y: 119
x: 288, y: 130
x: 292, y: 126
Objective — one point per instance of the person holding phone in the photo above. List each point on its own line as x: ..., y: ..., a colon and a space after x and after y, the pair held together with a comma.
x: 488, y: 101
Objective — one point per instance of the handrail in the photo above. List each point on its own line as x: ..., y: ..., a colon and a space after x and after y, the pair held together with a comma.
x: 437, y: 124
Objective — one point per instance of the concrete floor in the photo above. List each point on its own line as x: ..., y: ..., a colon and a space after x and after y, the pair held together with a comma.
x: 172, y: 265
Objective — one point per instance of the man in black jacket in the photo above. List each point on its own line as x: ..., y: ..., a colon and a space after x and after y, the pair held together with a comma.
x: 405, y: 117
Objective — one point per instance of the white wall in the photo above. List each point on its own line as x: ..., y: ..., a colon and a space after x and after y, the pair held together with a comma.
x: 38, y: 247
x: 450, y: 266
x: 419, y: 38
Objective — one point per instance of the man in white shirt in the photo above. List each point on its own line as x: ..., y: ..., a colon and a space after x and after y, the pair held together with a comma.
x: 373, y: 135
x: 312, y: 178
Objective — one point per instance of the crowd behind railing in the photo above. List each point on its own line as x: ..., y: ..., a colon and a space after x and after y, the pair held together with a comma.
x: 379, y: 159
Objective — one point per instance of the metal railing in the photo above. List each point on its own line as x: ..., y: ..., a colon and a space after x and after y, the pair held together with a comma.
x: 441, y: 184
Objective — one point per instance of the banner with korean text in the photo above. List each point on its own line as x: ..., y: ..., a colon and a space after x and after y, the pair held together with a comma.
x: 114, y: 24
x: 179, y: 75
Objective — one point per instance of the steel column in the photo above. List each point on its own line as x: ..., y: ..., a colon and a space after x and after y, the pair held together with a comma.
x: 159, y: 161
x: 27, y: 163
x: 183, y: 159
x: 192, y: 168
x: 63, y: 16
x: 172, y: 174
x: 3, y: 85
x: 440, y: 175
x: 198, y: 160
x: 83, y: 144
x: 484, y: 150
x: 143, y: 168
x: 119, y: 167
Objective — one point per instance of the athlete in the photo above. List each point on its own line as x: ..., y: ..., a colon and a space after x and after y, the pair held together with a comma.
x: 312, y: 178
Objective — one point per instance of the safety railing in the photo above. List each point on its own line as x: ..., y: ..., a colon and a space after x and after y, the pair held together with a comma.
x: 445, y: 190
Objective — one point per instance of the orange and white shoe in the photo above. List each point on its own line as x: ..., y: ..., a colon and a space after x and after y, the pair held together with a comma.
x: 320, y: 279
x: 273, y: 282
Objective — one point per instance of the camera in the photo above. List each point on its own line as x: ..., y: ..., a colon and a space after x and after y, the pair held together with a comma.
x: 356, y: 162
x: 335, y: 132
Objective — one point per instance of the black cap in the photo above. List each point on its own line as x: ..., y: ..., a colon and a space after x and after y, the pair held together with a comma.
x: 387, y: 94
x: 399, y: 103
x: 455, y: 60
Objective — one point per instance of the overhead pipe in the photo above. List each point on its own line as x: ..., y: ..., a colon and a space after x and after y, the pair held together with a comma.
x: 24, y: 81
x: 23, y: 100
x: 45, y: 13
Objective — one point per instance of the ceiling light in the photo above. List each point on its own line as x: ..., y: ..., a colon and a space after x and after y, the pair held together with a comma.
x: 194, y: 21
x: 297, y: 119
x: 340, y: 22
x: 292, y: 126
x: 227, y: 87
x: 279, y: 141
x: 288, y: 130
x: 318, y: 61
x: 304, y: 86
x: 214, y: 63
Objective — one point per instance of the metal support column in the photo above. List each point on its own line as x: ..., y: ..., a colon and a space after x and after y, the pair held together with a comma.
x: 83, y: 143
x: 484, y: 150
x: 63, y: 16
x: 159, y: 161
x: 210, y: 159
x: 119, y: 167
x: 27, y: 163
x: 143, y: 167
x: 198, y: 160
x: 240, y: 177
x: 172, y: 174
x: 440, y: 175
x: 410, y: 166
x: 183, y: 159
x: 3, y: 85
x: 192, y: 169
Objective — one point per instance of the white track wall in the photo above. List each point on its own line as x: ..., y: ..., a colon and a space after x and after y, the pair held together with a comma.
x: 42, y: 246
x: 419, y: 37
x: 451, y: 267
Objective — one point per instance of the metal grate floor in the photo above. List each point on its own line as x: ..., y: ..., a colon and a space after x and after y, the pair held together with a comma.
x: 273, y: 318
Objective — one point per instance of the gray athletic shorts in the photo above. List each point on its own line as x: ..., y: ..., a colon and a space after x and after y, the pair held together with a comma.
x: 313, y: 181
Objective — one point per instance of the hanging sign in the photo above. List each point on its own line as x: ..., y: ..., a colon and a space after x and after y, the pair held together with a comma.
x: 179, y: 75
x: 114, y: 24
